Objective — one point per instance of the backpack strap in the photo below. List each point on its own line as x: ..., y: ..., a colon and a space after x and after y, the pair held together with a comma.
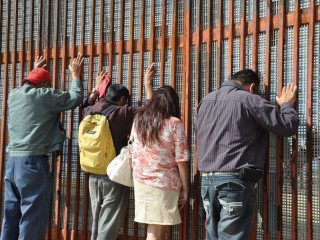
x: 104, y: 111
x: 108, y: 110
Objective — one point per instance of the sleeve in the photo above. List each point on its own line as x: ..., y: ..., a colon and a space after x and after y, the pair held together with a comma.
x: 69, y: 99
x: 284, y: 123
x: 88, y: 102
x: 180, y: 142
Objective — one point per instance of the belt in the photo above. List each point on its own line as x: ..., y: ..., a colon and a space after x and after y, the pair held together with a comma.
x: 219, y: 173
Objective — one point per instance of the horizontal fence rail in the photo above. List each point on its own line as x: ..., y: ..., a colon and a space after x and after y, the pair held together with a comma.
x: 196, y: 46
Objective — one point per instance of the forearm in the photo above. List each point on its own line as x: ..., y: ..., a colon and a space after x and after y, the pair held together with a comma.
x: 149, y: 91
x: 184, y: 174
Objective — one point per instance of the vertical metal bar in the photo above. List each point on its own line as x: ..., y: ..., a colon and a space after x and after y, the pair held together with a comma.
x: 197, y: 70
x: 29, y: 54
x: 266, y: 179
x: 296, y: 29
x: 174, y: 43
x: 66, y: 233
x: 163, y: 43
x: 21, y: 55
x: 46, y: 53
x: 243, y: 33
x: 185, y: 103
x: 141, y: 47
x: 209, y: 47
x: 14, y: 53
x: 282, y: 23
x: 230, y: 36
x: 55, y: 84
x: 219, y: 42
x: 309, y: 119
x: 152, y: 28
x: 91, y: 46
x: 5, y: 96
x: 131, y: 45
x: 75, y: 233
x: 255, y: 31
x: 101, y: 43
x: 39, y: 50
x: 110, y: 45
x: 120, y: 46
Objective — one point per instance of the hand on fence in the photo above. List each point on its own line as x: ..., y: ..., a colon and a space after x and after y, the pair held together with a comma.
x: 76, y: 66
x: 99, y: 79
x: 288, y: 94
x: 40, y: 62
x: 149, y: 75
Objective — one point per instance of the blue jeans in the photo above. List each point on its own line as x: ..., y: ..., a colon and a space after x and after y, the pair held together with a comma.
x: 109, y: 204
x: 27, y: 198
x: 229, y: 204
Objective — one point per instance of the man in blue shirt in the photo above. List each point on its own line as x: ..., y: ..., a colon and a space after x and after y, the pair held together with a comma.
x: 35, y: 137
x: 231, y: 127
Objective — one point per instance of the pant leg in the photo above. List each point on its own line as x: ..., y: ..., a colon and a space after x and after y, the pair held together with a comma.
x: 211, y: 207
x: 11, y: 210
x: 96, y: 203
x: 113, y: 209
x: 237, y: 201
x: 34, y: 181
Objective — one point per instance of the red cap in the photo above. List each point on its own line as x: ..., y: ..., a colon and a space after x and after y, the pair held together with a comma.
x: 104, y: 85
x: 38, y: 75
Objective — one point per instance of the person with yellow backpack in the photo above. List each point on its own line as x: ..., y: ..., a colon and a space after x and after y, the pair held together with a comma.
x: 103, y: 132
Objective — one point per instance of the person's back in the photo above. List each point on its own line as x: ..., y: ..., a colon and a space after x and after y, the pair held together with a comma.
x: 231, y: 123
x: 231, y: 129
x: 35, y: 139
x: 37, y: 132
x: 160, y: 155
x: 109, y: 200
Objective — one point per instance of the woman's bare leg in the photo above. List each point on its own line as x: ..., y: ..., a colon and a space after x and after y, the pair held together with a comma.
x: 156, y: 232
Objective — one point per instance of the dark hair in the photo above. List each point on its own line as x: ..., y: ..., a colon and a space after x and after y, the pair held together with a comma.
x: 149, y: 120
x: 246, y: 76
x: 116, y: 91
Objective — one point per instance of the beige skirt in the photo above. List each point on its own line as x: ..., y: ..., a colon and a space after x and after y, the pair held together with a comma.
x: 156, y: 205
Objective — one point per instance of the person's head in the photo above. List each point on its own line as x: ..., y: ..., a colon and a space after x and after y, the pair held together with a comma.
x: 149, y: 121
x: 248, y: 79
x: 39, y: 77
x: 117, y: 94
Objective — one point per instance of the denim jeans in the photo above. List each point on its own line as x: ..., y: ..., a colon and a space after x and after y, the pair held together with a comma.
x: 109, y: 204
x: 229, y: 204
x: 27, y: 198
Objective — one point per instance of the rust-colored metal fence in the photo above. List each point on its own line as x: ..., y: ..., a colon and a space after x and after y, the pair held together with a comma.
x: 196, y: 45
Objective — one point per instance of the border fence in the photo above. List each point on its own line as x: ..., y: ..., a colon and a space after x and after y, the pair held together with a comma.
x: 196, y: 45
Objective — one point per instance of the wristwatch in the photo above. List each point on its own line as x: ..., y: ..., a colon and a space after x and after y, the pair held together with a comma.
x: 95, y: 92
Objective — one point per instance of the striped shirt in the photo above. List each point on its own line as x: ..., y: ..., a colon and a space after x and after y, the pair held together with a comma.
x: 232, y: 125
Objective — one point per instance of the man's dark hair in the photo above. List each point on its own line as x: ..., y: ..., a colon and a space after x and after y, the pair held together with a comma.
x: 246, y: 77
x: 116, y: 91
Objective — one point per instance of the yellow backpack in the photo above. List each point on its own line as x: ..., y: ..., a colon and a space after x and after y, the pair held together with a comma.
x: 95, y: 144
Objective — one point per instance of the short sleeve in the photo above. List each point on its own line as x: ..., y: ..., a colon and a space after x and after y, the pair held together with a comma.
x: 180, y: 142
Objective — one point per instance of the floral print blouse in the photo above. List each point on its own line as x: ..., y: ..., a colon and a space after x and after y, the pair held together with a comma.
x: 156, y: 166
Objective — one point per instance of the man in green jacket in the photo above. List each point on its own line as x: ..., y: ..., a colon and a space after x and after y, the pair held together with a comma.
x: 35, y: 137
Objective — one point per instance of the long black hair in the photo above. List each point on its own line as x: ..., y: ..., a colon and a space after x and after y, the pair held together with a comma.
x: 149, y: 120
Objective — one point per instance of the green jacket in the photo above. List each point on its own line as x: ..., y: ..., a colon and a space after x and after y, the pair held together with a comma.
x: 34, y: 117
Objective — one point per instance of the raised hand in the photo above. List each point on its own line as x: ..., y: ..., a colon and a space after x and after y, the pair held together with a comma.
x: 40, y: 62
x: 288, y: 94
x: 149, y: 75
x: 99, y: 79
x: 76, y: 66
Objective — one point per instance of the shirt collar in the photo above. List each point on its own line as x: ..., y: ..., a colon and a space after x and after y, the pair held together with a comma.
x: 232, y: 83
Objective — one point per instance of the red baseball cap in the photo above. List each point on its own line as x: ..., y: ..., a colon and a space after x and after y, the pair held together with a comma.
x: 103, y: 87
x: 38, y: 75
